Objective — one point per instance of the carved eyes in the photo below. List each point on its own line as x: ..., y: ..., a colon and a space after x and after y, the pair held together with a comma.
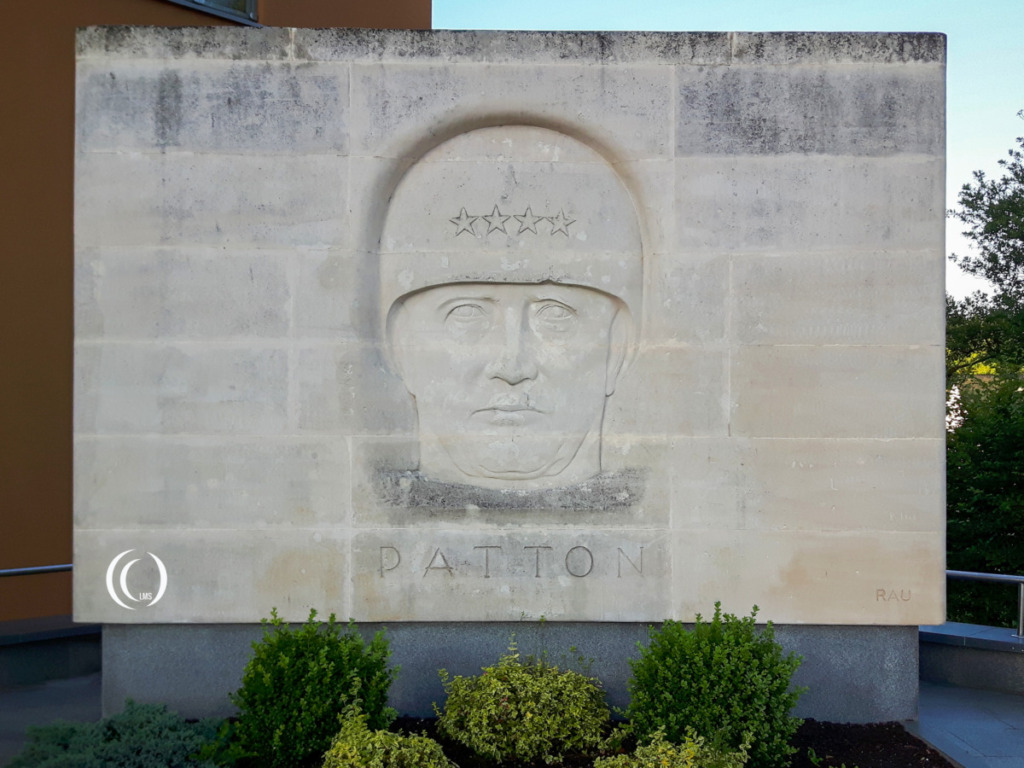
x: 548, y: 316
x: 467, y: 313
x: 554, y: 316
x: 467, y: 320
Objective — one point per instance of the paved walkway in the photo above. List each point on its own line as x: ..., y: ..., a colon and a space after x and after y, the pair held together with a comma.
x: 978, y: 729
x: 76, y: 698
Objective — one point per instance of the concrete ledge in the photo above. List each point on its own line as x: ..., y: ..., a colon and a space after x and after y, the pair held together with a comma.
x: 972, y: 656
x: 854, y: 674
x: 973, y: 636
x: 48, y: 648
x: 460, y: 46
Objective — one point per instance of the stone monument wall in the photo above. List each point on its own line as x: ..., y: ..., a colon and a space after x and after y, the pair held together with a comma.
x: 484, y: 327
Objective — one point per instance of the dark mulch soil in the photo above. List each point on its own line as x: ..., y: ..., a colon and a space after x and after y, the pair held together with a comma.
x: 879, y: 745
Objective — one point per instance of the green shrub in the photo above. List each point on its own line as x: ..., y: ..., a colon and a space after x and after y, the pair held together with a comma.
x: 723, y: 679
x: 356, y: 746
x: 691, y: 753
x: 524, y: 711
x: 299, y: 681
x: 224, y: 749
x: 142, y: 736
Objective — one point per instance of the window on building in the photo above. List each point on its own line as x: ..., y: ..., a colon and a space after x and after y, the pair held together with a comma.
x: 241, y: 11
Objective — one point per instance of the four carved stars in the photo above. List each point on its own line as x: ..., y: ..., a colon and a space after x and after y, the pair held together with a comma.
x: 496, y: 222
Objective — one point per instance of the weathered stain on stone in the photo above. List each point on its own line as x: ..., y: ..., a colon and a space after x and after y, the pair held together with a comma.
x: 167, y: 117
x: 818, y: 47
x: 667, y: 48
x: 411, y: 490
x: 184, y: 42
x: 814, y: 110
x: 509, y: 47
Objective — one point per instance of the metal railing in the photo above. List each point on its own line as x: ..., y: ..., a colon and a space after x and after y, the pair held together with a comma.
x: 999, y: 578
x: 34, y: 570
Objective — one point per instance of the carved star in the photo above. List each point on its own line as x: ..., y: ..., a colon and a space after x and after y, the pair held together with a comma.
x: 528, y: 222
x: 560, y: 223
x: 496, y: 221
x: 463, y: 223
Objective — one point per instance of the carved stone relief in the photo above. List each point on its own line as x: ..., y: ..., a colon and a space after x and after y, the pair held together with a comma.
x: 510, y: 337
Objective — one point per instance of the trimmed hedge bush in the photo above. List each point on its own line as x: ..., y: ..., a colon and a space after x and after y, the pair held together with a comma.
x: 356, y: 746
x: 723, y: 680
x: 659, y: 753
x: 524, y: 711
x: 297, y: 684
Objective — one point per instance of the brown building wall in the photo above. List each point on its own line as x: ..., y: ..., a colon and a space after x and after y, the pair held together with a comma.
x: 37, y: 75
x: 372, y: 14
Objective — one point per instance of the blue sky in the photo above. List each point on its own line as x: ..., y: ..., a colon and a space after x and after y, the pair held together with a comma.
x: 985, y: 58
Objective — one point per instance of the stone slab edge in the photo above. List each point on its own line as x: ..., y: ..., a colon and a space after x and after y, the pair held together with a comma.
x: 670, y: 48
x: 973, y: 636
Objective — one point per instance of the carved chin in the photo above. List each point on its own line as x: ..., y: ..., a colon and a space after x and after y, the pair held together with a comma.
x: 514, y: 458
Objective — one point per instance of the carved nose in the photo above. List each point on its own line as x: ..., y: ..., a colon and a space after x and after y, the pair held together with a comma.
x: 513, y: 362
x: 513, y: 369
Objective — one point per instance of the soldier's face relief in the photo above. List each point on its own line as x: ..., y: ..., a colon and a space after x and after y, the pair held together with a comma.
x: 510, y: 379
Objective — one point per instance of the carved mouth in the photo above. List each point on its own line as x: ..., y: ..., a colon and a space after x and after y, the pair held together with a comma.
x: 509, y: 405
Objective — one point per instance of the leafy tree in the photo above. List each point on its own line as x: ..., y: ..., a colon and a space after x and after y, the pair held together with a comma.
x: 985, y: 500
x: 993, y: 210
x: 984, y: 367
